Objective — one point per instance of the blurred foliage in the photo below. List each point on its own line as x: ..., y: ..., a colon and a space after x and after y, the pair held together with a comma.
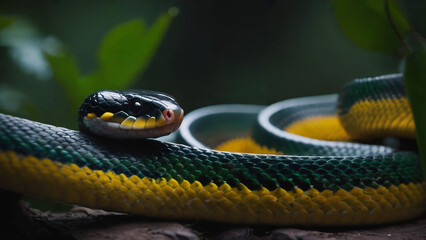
x: 123, y: 55
x: 366, y: 22
x: 415, y: 83
x: 25, y: 43
x: 415, y: 12
x: 258, y: 56
x: 19, y: 38
x: 6, y: 21
x: 381, y: 25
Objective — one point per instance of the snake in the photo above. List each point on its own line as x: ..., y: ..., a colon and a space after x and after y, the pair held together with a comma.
x: 113, y: 162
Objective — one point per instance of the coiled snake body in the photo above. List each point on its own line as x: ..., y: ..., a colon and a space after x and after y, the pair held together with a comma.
x: 345, y: 184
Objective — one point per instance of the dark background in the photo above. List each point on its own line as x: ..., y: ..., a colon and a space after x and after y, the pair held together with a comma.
x: 215, y: 51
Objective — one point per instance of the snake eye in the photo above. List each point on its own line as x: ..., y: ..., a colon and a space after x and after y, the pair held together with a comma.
x: 135, y: 107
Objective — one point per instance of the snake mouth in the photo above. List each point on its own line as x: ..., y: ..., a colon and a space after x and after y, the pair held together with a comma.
x: 123, y: 125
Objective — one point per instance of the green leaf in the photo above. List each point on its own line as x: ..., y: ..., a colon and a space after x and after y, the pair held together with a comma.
x: 415, y: 11
x: 367, y: 23
x: 415, y: 84
x: 123, y: 54
x: 66, y: 72
x: 88, y: 84
x: 126, y: 51
x: 6, y: 21
x: 119, y: 54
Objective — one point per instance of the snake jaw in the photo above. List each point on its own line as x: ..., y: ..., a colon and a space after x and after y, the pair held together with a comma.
x: 131, y: 127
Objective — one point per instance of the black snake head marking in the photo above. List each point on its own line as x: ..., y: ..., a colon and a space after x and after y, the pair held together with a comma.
x: 130, y: 114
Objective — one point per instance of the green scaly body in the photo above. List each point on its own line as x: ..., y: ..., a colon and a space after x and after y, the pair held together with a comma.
x: 152, y: 178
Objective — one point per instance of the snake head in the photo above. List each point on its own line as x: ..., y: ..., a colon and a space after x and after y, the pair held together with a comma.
x: 130, y: 114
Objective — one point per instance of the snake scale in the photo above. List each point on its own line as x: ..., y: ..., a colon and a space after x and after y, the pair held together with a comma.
x: 318, y: 183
